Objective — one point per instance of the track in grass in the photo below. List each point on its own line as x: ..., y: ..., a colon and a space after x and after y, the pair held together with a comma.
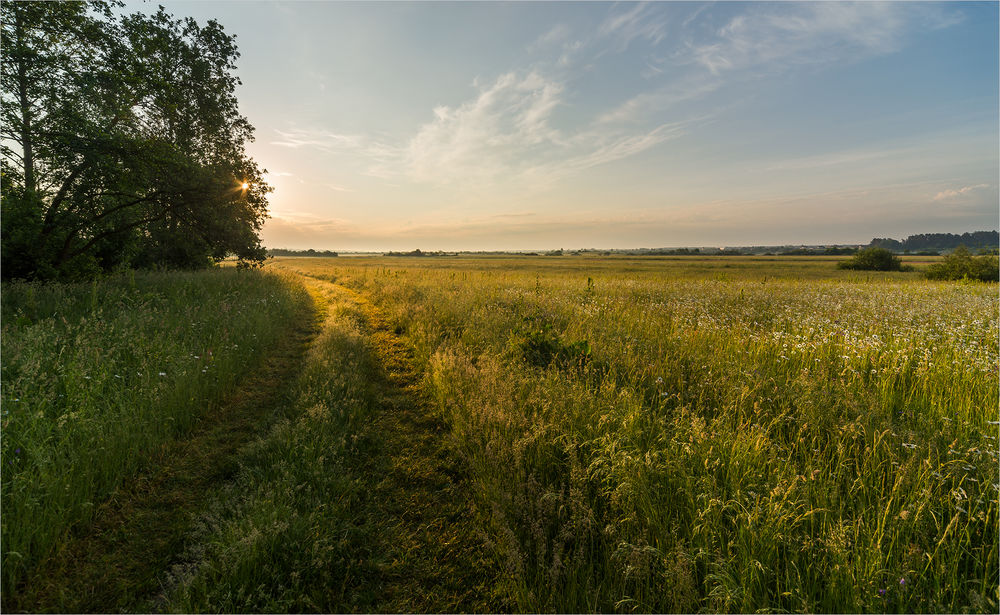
x: 436, y: 558
x: 417, y: 545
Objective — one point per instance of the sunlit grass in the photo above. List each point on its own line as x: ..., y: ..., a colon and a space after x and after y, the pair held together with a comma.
x: 640, y: 434
x: 730, y: 442
x: 288, y: 534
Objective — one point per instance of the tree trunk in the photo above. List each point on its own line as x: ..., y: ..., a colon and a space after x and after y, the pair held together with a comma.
x: 22, y: 93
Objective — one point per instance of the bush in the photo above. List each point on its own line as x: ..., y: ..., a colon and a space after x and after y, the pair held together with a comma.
x: 543, y: 347
x: 874, y: 259
x: 961, y: 265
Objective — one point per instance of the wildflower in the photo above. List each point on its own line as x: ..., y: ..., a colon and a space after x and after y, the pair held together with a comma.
x: 163, y: 373
x: 881, y: 592
x: 902, y: 580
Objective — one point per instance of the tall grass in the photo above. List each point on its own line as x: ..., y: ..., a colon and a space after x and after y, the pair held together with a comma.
x: 97, y: 376
x: 291, y: 533
x: 697, y: 442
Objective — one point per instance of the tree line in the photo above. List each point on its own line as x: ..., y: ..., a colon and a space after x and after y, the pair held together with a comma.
x: 121, y: 143
x: 309, y: 252
x: 978, y: 240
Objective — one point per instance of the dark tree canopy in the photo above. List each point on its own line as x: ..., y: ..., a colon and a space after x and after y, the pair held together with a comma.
x: 939, y: 241
x: 873, y: 259
x: 122, y: 143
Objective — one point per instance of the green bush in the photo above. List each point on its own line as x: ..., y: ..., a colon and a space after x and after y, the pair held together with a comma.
x: 961, y: 265
x: 874, y: 259
x: 543, y: 347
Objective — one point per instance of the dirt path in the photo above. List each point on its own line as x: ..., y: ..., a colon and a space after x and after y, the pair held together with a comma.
x: 436, y: 558
x: 117, y: 561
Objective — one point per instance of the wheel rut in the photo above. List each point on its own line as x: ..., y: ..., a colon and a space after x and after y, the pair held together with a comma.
x: 435, y: 556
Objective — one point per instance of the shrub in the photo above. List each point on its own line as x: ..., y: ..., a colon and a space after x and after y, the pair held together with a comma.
x: 543, y: 347
x: 961, y: 265
x: 873, y: 259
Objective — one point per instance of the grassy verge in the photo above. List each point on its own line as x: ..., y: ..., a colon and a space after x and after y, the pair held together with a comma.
x: 98, y: 377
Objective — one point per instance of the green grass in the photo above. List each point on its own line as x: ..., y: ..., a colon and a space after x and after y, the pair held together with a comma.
x: 737, y: 438
x: 288, y: 533
x: 97, y: 377
x: 690, y: 267
x: 348, y: 504
x: 531, y: 434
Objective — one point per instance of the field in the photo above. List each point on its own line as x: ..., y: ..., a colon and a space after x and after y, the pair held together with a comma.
x: 505, y: 433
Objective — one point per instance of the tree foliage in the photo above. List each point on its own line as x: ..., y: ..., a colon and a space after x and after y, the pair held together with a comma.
x: 960, y: 265
x: 935, y: 242
x: 122, y: 143
x: 873, y: 259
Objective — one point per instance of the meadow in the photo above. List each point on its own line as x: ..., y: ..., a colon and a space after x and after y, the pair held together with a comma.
x: 685, y: 434
x: 530, y: 433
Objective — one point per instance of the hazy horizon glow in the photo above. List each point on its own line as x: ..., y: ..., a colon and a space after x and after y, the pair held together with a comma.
x: 492, y: 126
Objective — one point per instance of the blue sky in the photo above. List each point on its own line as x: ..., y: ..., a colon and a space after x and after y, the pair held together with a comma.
x: 482, y: 126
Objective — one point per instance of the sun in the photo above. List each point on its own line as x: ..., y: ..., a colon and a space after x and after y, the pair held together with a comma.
x: 245, y: 185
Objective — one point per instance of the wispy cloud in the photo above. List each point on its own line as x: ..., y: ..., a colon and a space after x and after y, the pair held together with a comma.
x: 778, y: 36
x: 323, y: 140
x: 641, y: 105
x: 556, y: 35
x: 506, y: 133
x: 480, y: 138
x: 837, y: 159
x: 594, y: 148
x: 958, y: 193
x: 503, y: 134
x: 642, y: 21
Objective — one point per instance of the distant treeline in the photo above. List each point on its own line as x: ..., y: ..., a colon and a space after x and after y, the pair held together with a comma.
x: 419, y: 252
x: 309, y: 252
x: 746, y: 251
x: 926, y: 243
x: 936, y: 242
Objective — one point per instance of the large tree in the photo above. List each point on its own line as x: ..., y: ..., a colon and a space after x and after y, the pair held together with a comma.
x: 122, y: 143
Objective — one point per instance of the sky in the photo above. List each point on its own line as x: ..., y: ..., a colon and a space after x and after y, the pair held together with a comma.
x: 511, y: 126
